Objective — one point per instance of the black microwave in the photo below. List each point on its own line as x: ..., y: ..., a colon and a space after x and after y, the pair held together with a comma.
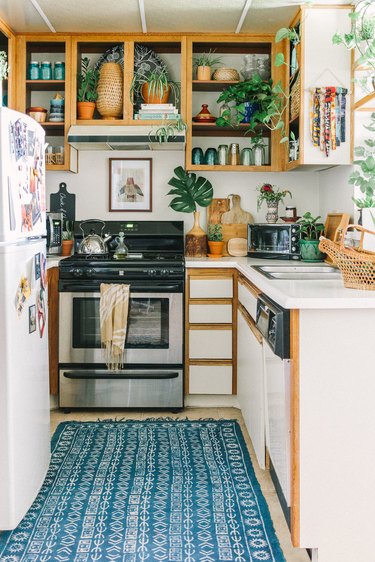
x: 278, y: 240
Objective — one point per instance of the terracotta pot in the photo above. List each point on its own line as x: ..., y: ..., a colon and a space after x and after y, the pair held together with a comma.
x: 110, y: 90
x: 215, y: 248
x: 203, y: 73
x: 155, y: 96
x: 85, y: 109
x: 67, y: 247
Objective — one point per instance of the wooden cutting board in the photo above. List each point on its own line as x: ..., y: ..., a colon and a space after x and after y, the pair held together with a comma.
x: 63, y: 202
x: 333, y: 227
x: 237, y: 247
x: 215, y: 210
x: 233, y: 231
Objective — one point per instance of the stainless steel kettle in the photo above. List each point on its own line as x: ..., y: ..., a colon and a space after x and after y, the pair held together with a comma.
x: 93, y: 243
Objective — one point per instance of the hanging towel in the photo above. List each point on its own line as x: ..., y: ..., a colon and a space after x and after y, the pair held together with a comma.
x: 114, y: 305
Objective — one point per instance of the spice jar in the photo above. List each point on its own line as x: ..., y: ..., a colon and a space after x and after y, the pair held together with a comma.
x: 234, y: 154
x: 45, y: 72
x: 34, y: 70
x: 59, y: 70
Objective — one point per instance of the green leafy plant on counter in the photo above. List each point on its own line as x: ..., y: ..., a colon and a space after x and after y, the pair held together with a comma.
x: 68, y: 230
x: 190, y: 191
x: 88, y: 80
x: 310, y: 228
x: 363, y: 176
x: 215, y: 232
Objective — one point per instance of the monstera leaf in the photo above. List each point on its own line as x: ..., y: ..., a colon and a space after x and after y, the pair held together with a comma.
x: 190, y: 191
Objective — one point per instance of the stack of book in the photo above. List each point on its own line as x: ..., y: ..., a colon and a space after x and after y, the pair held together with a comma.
x: 157, y: 111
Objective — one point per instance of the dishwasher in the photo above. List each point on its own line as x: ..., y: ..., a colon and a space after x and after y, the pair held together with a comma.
x: 273, y: 322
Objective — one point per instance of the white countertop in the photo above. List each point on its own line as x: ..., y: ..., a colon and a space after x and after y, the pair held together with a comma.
x: 312, y: 294
x: 53, y: 261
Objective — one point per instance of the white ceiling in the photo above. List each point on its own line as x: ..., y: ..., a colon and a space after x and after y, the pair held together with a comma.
x: 125, y: 16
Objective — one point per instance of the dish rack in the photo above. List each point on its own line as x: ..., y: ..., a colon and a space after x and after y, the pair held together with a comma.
x: 356, y: 264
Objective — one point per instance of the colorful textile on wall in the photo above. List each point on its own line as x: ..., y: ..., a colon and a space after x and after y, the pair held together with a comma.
x: 327, y: 117
x: 150, y: 490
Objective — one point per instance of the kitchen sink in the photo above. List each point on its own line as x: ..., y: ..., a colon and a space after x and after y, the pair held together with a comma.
x: 298, y: 272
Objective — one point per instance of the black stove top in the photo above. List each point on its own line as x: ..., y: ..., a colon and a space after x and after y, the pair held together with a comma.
x: 156, y: 249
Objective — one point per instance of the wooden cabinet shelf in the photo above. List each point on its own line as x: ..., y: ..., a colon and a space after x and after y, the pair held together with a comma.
x: 211, y: 85
x: 45, y: 85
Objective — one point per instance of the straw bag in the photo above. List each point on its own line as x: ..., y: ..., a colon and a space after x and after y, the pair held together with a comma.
x: 356, y: 264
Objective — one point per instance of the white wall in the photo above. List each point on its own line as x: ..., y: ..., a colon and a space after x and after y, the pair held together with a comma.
x: 335, y: 192
x: 91, y: 186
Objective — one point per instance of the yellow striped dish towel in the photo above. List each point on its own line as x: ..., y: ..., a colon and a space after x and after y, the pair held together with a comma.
x: 114, y: 305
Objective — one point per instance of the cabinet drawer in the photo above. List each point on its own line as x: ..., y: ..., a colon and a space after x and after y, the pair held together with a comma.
x: 248, y: 300
x: 210, y: 313
x: 210, y: 344
x: 210, y: 379
x: 211, y: 288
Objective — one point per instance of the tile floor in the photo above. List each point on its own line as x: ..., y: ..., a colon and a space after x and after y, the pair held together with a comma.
x: 291, y: 554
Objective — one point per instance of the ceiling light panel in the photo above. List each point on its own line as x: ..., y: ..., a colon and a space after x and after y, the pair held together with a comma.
x: 22, y: 17
x: 85, y: 16
x: 197, y: 16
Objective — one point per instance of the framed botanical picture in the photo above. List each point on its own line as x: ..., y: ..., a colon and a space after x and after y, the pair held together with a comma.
x: 130, y: 184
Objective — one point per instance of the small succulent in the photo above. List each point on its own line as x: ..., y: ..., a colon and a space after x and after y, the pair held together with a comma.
x: 214, y: 233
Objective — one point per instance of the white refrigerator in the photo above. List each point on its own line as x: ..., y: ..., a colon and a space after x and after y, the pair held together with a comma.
x: 24, y: 377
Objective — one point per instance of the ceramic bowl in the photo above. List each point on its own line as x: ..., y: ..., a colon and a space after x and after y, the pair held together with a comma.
x: 37, y: 113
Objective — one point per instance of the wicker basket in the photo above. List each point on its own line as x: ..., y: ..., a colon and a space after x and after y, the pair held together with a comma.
x: 356, y: 264
x: 226, y: 74
x: 295, y: 98
x: 109, y: 103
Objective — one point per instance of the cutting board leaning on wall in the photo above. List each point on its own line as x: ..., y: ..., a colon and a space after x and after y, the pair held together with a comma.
x: 234, y: 222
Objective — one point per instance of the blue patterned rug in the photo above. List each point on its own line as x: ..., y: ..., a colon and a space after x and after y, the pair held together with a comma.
x: 150, y: 490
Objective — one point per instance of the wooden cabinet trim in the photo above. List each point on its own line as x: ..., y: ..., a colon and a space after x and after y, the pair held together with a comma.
x: 250, y: 322
x: 217, y: 301
x: 53, y: 330
x: 249, y: 285
x: 210, y: 327
x: 207, y: 362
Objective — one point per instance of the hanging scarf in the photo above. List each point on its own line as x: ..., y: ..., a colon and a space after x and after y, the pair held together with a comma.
x: 327, y: 117
x: 114, y: 305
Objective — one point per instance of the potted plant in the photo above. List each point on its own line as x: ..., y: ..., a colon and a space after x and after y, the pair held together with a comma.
x: 190, y: 191
x: 254, y: 102
x: 272, y: 197
x: 87, y: 93
x: 310, y: 230
x: 67, y: 239
x: 154, y: 87
x: 215, y: 240
x: 204, y: 63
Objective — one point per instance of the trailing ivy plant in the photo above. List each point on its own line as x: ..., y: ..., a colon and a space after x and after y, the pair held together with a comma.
x: 167, y: 131
x: 190, y: 191
x: 361, y: 36
x: 363, y: 176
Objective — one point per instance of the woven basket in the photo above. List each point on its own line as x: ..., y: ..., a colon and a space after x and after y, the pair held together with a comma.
x: 356, y: 264
x: 295, y: 98
x: 226, y: 74
x: 110, y: 88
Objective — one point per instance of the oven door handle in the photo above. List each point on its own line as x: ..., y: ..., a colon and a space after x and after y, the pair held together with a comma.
x: 134, y: 288
x: 136, y: 375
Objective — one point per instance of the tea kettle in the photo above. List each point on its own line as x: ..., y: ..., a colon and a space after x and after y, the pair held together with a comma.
x: 93, y: 243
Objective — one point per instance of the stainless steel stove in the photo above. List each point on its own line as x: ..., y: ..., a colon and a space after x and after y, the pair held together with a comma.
x: 154, y: 269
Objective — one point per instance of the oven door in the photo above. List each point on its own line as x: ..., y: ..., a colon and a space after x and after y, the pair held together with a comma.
x: 154, y: 330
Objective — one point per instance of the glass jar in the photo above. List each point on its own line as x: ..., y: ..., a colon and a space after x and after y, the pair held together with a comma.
x: 223, y: 154
x: 246, y: 157
x: 45, y: 72
x: 197, y: 156
x: 249, y: 67
x: 210, y: 157
x: 259, y: 155
x: 59, y: 70
x: 234, y: 154
x: 34, y: 70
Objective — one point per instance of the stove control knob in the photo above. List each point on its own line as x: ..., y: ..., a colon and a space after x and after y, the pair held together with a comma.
x: 164, y: 273
x: 152, y: 272
x: 77, y: 272
x: 90, y: 273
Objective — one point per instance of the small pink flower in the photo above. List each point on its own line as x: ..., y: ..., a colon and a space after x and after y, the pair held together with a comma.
x: 266, y: 187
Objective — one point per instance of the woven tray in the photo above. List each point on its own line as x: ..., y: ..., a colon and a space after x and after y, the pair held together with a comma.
x: 226, y: 74
x: 356, y: 264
